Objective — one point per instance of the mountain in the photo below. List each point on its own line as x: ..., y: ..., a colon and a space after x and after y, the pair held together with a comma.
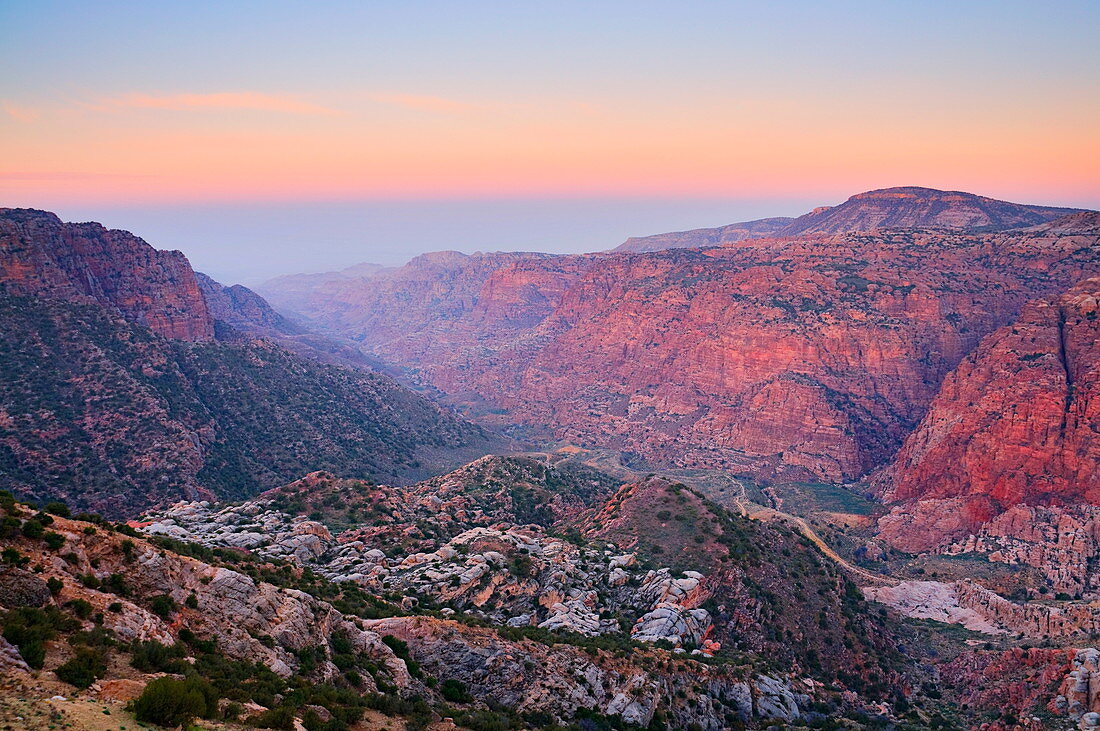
x: 1007, y: 460
x: 808, y: 357
x: 117, y: 393
x: 588, y: 563
x: 83, y: 262
x: 729, y: 234
x: 904, y: 207
x: 913, y: 207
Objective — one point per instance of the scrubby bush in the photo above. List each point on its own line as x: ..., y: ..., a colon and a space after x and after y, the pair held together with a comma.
x: 281, y: 717
x: 80, y: 607
x: 29, y: 629
x: 33, y: 529
x: 86, y: 666
x: 171, y: 702
x: 162, y: 605
x: 53, y: 540
x: 153, y: 657
x: 454, y: 691
x: 57, y: 508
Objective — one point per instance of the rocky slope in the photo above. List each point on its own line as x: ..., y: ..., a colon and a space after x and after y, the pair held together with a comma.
x: 1007, y: 461
x: 262, y: 630
x: 129, y: 380
x: 652, y: 561
x: 795, y: 358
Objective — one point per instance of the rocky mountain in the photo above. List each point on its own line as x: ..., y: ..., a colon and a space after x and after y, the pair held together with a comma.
x: 130, y: 380
x: 904, y: 207
x: 914, y: 207
x: 479, y: 541
x: 809, y: 357
x: 83, y: 262
x: 1007, y: 460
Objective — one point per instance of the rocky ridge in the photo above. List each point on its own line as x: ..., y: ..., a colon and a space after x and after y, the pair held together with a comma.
x: 288, y: 630
x: 41, y: 256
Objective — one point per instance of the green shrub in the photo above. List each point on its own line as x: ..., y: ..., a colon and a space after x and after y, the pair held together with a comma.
x: 33, y: 529
x: 454, y: 691
x: 58, y: 508
x: 162, y: 605
x: 153, y: 657
x: 80, y: 607
x: 29, y: 629
x: 281, y: 717
x: 171, y: 702
x: 116, y: 585
x: 86, y: 666
x: 53, y: 540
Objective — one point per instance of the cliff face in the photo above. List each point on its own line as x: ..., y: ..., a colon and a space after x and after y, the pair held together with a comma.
x: 1016, y: 427
x: 804, y: 358
x: 84, y: 262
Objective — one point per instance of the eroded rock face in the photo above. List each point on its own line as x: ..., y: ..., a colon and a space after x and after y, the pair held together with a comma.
x: 1062, y: 682
x: 1007, y: 460
x: 561, y: 679
x: 84, y: 262
x: 796, y: 358
x: 515, y: 576
x: 229, y: 606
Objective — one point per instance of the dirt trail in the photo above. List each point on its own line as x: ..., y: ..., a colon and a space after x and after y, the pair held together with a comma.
x: 771, y: 514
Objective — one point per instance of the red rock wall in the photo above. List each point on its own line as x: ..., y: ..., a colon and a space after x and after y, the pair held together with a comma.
x: 41, y: 256
x: 1017, y: 423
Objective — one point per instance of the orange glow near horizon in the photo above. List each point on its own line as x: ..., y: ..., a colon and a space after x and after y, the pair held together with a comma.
x: 244, y: 145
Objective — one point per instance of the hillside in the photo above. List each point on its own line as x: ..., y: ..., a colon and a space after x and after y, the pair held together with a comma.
x: 130, y: 381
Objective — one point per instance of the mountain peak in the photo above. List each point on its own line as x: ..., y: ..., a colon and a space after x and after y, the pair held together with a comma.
x: 918, y: 207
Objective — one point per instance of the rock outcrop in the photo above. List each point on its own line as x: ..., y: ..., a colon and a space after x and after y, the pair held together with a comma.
x: 971, y: 605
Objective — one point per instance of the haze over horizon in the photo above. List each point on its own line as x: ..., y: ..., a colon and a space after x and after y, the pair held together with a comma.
x: 263, y: 140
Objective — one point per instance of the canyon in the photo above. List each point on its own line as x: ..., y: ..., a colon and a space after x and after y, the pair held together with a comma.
x: 839, y: 468
x: 807, y: 357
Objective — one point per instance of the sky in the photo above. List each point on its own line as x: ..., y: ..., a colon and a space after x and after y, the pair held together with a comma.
x: 271, y: 137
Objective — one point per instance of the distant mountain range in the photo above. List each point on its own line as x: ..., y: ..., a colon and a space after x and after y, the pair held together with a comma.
x: 906, y: 207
